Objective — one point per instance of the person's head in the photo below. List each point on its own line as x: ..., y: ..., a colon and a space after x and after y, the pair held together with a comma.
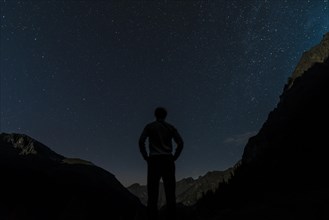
x: 160, y: 113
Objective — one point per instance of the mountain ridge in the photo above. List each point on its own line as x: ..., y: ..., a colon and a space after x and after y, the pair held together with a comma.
x: 37, y: 183
x: 188, y: 190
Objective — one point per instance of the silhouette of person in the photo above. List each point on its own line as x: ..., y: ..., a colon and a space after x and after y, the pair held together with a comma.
x: 161, y: 162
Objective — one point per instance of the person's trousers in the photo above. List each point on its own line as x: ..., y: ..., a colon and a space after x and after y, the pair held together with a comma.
x: 161, y: 167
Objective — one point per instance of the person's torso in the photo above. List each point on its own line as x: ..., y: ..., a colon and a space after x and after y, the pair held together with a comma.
x: 160, y: 138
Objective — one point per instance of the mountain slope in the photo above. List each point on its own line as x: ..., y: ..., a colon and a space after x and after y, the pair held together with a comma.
x: 37, y: 183
x: 282, y: 174
x: 188, y: 190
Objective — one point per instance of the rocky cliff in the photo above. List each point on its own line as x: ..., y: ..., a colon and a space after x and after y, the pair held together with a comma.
x: 317, y: 54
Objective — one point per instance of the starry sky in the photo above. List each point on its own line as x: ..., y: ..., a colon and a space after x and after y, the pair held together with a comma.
x: 84, y: 77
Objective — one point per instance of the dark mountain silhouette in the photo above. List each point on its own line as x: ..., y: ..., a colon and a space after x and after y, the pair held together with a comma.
x: 37, y: 183
x: 283, y: 171
x: 188, y: 190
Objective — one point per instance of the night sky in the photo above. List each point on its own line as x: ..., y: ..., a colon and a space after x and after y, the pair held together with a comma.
x: 84, y: 77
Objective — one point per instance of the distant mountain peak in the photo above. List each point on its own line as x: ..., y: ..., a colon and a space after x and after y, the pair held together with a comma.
x: 188, y: 190
x: 25, y: 145
x: 22, y: 143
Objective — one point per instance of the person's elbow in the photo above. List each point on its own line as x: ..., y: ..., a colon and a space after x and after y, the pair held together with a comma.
x: 141, y: 141
x: 180, y: 144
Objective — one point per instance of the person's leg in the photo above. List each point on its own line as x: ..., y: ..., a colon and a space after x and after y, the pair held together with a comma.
x: 153, y: 180
x: 169, y: 182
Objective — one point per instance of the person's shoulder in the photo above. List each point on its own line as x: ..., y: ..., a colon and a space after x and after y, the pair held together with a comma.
x: 170, y: 125
x: 150, y: 124
x: 153, y: 123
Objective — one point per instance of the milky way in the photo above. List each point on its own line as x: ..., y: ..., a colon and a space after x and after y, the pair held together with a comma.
x: 83, y: 77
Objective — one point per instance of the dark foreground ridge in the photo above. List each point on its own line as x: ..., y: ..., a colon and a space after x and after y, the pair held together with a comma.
x: 38, y: 184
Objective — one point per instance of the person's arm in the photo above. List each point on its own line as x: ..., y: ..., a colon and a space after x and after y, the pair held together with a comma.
x: 141, y: 142
x: 180, y: 144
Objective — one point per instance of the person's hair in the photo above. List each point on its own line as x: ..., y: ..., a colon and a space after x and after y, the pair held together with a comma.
x: 160, y: 113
